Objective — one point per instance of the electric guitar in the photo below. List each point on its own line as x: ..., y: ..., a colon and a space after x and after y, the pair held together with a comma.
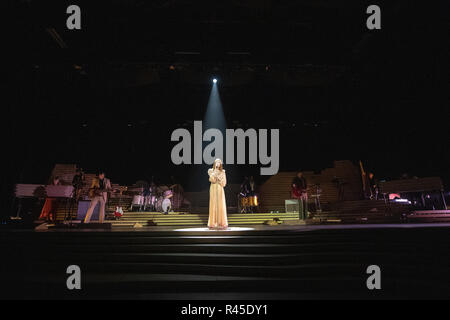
x: 97, y: 192
x: 298, y: 192
x: 119, y: 211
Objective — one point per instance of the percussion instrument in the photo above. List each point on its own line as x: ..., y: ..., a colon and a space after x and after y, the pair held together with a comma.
x: 168, y: 194
x: 247, y: 203
x: 162, y: 189
x: 253, y: 201
x: 137, y: 201
x: 149, y: 200
x: 166, y: 205
x: 244, y: 202
x: 163, y: 205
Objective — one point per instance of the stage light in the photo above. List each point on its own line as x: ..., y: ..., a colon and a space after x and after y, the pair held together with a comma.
x: 214, y: 80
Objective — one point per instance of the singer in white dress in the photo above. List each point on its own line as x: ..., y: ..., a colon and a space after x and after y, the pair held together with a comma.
x: 217, y: 204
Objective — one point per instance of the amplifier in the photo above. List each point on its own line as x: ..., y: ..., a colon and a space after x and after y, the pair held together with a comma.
x: 83, y: 207
x: 292, y: 205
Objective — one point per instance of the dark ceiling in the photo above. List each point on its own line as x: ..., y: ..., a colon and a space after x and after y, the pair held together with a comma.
x: 138, y: 69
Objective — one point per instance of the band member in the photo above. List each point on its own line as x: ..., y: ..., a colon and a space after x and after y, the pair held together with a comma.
x: 245, y: 187
x: 56, y: 182
x: 78, y: 183
x: 244, y: 193
x: 252, y: 185
x: 98, y: 192
x: 50, y: 208
x: 147, y: 194
x: 299, y: 191
x: 217, y: 204
x: 373, y: 183
x: 247, y: 195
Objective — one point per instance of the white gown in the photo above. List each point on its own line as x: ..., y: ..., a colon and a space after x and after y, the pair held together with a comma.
x: 217, y: 203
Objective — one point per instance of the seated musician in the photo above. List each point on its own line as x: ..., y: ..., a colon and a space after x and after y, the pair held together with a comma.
x: 245, y: 187
x: 299, y: 191
x: 252, y: 186
x: 50, y: 207
x: 98, y: 192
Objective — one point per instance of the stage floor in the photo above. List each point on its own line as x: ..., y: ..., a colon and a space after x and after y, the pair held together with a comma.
x: 244, y: 262
x: 237, y: 229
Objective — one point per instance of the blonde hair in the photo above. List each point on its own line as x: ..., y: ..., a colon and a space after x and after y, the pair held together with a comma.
x: 221, y: 164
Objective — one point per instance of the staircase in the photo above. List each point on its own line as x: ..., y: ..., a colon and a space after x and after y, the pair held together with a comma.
x: 259, y: 264
x: 129, y: 219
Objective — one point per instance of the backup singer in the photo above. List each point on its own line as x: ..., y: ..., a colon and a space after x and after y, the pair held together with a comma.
x: 98, y: 193
x: 217, y: 204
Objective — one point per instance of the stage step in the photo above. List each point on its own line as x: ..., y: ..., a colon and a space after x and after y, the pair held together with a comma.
x: 276, y: 261
x: 192, y: 219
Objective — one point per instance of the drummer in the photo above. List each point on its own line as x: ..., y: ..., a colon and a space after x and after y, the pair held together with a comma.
x: 252, y: 186
x: 248, y: 191
x: 254, y: 197
x: 147, y: 194
x: 245, y: 187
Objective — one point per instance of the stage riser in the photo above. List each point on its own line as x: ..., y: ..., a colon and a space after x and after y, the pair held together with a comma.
x: 169, y: 217
x: 118, y: 226
x: 205, y: 219
x: 195, y: 255
x: 258, y: 218
x: 236, y: 260
x: 372, y: 221
x: 270, y: 237
x: 116, y: 264
x: 179, y: 219
x: 141, y: 271
x: 428, y: 220
x: 180, y: 214
x: 203, y: 249
x: 244, y: 217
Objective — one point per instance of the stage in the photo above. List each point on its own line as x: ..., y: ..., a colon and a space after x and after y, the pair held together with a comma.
x: 243, y: 262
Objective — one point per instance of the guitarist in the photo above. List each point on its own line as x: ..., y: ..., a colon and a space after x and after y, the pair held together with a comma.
x: 299, y: 191
x: 98, y: 192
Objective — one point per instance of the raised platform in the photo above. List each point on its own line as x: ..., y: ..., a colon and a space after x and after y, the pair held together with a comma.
x: 129, y: 219
x: 429, y: 216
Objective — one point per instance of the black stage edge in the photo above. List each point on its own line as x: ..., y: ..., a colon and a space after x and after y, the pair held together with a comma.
x: 269, y: 264
x: 81, y: 226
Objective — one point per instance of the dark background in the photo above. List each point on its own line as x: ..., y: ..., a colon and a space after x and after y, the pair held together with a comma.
x: 109, y: 95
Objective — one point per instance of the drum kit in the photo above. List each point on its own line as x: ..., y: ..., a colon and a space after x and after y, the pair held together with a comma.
x: 248, y: 203
x: 153, y: 199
